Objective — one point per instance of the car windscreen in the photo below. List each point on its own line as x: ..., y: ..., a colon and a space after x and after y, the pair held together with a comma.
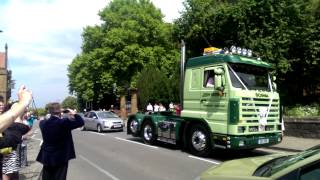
x: 248, y: 76
x: 273, y: 166
x: 105, y: 115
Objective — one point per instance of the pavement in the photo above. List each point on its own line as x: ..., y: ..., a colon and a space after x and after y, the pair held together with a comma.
x: 295, y: 144
x: 32, y: 171
x: 288, y: 144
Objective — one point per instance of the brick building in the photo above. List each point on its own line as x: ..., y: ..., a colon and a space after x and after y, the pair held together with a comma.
x: 5, y: 77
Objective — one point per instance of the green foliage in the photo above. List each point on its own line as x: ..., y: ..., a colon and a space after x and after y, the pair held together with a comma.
x: 41, y: 111
x: 154, y: 86
x: 285, y: 33
x: 303, y: 111
x: 70, y: 102
x: 131, y: 36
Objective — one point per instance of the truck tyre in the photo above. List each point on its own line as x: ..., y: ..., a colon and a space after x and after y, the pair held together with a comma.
x: 148, y: 133
x: 133, y: 127
x: 99, y: 129
x: 199, y: 142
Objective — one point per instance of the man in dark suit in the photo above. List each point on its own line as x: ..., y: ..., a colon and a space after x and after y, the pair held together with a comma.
x: 57, y: 147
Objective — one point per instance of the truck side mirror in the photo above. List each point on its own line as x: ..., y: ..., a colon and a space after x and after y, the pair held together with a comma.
x: 217, y: 82
x: 218, y: 71
x: 218, y: 79
x: 274, y: 85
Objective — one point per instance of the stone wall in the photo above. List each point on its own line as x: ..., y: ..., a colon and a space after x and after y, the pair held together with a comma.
x: 302, y: 127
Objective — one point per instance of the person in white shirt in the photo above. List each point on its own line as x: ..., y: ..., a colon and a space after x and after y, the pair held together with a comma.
x: 210, y: 82
x: 162, y: 108
x: 156, y: 107
x: 171, y: 106
x: 149, y: 108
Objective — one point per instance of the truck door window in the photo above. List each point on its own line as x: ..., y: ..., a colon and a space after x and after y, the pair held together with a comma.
x: 208, y: 78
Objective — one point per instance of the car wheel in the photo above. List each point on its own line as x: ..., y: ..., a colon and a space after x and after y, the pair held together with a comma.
x: 148, y: 133
x: 99, y: 128
x: 199, y: 141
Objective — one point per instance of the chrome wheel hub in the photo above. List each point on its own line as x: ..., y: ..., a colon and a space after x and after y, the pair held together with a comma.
x: 199, y: 140
x: 147, y: 132
x: 134, y: 126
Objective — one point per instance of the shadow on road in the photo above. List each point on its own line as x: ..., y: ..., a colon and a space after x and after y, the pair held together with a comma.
x: 216, y: 154
x: 225, y: 155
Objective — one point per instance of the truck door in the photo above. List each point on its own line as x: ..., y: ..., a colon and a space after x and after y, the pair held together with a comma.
x: 213, y: 104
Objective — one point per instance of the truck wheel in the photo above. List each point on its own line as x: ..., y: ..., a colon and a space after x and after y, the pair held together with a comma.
x: 148, y: 133
x: 199, y: 141
x: 99, y: 129
x: 133, y: 127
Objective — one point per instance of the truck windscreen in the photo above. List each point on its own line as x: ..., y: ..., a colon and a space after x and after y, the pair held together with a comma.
x: 249, y: 77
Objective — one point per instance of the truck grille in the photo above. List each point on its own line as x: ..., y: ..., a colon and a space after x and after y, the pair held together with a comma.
x: 251, y: 107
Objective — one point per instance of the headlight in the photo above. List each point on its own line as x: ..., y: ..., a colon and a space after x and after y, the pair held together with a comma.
x: 107, y: 123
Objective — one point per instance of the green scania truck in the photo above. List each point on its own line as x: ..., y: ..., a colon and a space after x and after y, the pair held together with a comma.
x: 229, y: 101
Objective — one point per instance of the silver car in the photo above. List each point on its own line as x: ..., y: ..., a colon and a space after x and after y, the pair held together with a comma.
x: 102, y: 121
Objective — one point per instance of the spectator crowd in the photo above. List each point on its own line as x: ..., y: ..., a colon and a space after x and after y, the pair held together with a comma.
x: 159, y: 107
x: 16, y: 123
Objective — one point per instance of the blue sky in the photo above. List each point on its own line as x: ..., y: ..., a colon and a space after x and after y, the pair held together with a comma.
x: 44, y: 36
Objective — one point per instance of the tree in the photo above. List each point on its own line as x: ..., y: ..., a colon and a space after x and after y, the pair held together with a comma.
x: 131, y: 36
x: 70, y: 102
x: 284, y: 33
x: 40, y: 111
x: 155, y: 87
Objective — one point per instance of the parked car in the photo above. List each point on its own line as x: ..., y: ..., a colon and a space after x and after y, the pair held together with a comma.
x: 300, y: 166
x: 102, y: 121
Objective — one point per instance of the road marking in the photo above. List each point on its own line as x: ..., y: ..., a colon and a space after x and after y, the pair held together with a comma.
x: 206, y: 160
x: 99, y: 168
x: 270, y: 150
x: 136, y: 142
x: 97, y: 133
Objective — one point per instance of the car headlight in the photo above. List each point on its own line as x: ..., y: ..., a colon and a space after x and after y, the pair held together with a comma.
x: 107, y: 123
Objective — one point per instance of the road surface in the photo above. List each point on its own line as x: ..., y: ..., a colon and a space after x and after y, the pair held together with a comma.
x: 117, y: 156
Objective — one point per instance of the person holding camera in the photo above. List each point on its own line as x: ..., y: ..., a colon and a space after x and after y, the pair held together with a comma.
x: 11, y: 133
x: 57, y: 147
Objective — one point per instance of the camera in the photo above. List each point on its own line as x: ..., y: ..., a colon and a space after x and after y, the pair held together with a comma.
x: 65, y: 111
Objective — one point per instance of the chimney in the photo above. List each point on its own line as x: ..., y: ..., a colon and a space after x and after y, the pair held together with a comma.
x: 6, y: 56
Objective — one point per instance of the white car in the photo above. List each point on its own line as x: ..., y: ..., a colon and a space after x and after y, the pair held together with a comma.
x: 102, y: 121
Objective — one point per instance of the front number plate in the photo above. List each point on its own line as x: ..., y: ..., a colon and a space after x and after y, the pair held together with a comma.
x: 117, y: 126
x: 263, y: 141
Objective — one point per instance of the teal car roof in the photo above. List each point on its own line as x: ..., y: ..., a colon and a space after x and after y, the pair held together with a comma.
x: 225, y: 58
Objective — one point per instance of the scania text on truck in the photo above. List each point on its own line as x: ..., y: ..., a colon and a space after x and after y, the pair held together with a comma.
x: 229, y: 101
